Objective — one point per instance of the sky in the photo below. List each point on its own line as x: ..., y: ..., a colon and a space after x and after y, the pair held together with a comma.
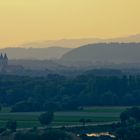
x: 23, y: 21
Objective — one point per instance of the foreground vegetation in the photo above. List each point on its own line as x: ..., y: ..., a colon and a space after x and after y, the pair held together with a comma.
x: 26, y: 101
x: 128, y: 128
x: 38, y: 135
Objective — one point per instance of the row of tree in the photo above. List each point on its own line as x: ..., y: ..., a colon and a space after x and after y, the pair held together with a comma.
x: 56, y: 92
x: 129, y: 129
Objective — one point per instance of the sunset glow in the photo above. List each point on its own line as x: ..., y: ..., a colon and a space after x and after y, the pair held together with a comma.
x: 23, y: 21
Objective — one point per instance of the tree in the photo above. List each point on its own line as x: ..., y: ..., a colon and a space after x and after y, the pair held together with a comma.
x: 12, y: 125
x: 26, y: 106
x: 131, y: 129
x: 125, y: 116
x: 84, y: 121
x: 46, y: 118
x: 44, y: 135
x: 135, y: 113
x: 55, y: 135
x: 0, y: 107
x: 51, y: 106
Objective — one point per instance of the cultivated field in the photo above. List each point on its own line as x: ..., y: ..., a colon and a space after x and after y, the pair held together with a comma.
x: 98, y: 115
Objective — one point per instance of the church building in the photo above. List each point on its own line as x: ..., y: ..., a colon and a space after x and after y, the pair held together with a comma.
x: 6, y: 68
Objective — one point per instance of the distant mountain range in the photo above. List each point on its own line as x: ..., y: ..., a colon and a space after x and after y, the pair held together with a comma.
x: 56, y: 49
x: 65, y: 43
x: 104, y: 53
x: 35, y: 53
x: 74, y: 43
x: 132, y: 38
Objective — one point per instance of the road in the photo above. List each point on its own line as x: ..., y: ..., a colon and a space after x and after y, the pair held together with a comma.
x: 70, y: 126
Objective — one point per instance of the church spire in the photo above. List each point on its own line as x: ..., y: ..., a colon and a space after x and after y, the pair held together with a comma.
x: 5, y: 56
x: 1, y: 56
x: 5, y: 60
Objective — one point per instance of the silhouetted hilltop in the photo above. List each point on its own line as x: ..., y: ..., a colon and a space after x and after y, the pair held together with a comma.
x: 104, y: 53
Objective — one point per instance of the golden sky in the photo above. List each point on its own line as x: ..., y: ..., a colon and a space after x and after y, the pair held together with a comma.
x: 32, y: 20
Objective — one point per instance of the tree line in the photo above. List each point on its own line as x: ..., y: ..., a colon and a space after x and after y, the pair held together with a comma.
x: 56, y: 92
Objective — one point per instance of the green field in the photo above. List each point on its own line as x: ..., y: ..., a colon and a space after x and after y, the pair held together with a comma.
x: 95, y: 114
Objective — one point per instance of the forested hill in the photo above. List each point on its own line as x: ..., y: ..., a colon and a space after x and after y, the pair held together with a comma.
x: 105, y: 53
x: 56, y: 92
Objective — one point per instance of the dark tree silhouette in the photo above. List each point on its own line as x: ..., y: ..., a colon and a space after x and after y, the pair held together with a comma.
x: 12, y: 125
x: 46, y: 118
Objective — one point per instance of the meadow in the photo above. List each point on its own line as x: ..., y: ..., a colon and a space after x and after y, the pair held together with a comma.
x: 98, y: 115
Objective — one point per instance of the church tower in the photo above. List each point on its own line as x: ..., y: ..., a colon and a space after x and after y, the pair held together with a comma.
x: 1, y: 60
x: 5, y: 58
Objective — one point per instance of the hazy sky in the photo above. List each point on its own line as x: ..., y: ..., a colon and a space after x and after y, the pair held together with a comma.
x: 31, y: 20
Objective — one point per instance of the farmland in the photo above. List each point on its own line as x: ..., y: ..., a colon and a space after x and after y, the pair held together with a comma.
x: 97, y: 115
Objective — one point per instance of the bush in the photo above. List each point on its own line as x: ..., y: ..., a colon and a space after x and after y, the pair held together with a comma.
x: 46, y: 118
x: 46, y: 135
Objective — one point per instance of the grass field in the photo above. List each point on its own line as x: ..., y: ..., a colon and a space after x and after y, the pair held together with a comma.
x: 95, y: 114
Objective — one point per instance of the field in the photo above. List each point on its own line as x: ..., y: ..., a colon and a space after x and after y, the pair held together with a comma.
x: 96, y: 114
